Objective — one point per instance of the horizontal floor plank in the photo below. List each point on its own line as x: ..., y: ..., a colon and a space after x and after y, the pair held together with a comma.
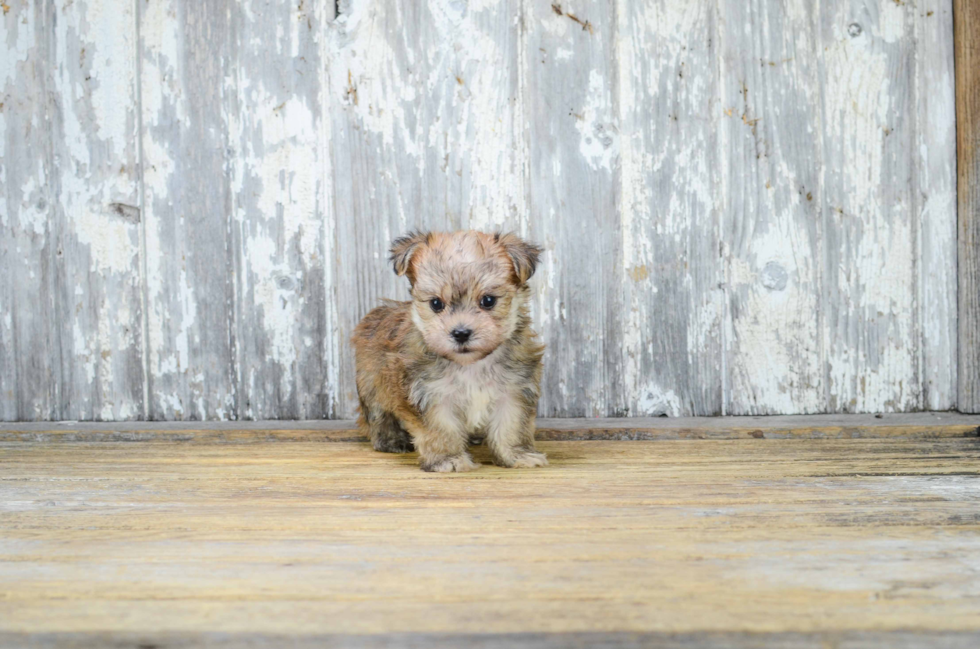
x: 605, y: 640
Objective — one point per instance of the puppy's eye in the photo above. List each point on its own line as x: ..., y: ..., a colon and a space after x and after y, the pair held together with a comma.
x: 436, y: 304
x: 487, y: 301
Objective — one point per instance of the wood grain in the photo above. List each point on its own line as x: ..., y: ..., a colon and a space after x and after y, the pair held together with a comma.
x: 966, y: 16
x: 70, y: 313
x: 832, y: 538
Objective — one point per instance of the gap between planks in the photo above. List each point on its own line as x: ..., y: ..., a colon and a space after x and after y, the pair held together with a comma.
x: 928, y: 425
x: 585, y: 640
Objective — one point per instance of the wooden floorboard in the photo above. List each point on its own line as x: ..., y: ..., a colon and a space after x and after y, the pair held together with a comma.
x: 594, y: 640
x: 689, y: 543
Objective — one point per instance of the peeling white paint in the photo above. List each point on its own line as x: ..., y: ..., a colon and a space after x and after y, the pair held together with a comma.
x: 112, y: 242
x: 18, y: 48
x: 33, y: 214
x: 84, y: 356
x: 170, y: 403
x: 891, y: 20
x: 655, y: 401
x: 599, y: 136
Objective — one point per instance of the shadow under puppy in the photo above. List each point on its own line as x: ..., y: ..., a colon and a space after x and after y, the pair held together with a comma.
x: 459, y: 359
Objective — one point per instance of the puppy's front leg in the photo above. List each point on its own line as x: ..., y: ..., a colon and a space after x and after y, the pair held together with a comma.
x: 441, y: 441
x: 510, y: 435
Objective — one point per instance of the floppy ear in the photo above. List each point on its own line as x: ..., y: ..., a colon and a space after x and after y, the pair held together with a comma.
x: 522, y: 254
x: 403, y: 248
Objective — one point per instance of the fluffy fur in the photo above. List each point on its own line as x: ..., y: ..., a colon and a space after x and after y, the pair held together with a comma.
x: 420, y: 386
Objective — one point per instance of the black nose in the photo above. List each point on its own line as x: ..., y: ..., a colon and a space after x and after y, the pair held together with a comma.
x: 461, y: 335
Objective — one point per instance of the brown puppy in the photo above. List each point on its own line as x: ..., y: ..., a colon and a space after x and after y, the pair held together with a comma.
x: 460, y: 359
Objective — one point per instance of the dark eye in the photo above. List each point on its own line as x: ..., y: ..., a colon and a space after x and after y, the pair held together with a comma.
x: 487, y: 301
x: 436, y: 304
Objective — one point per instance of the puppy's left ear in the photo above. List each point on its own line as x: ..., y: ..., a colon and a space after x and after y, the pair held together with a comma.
x: 522, y: 254
x: 403, y: 248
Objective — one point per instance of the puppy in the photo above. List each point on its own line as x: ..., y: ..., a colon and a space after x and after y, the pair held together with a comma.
x: 459, y: 359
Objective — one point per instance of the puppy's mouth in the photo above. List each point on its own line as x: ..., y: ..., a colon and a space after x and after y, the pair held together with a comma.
x: 470, y: 353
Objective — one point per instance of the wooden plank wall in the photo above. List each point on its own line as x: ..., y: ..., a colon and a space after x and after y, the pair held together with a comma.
x: 747, y: 207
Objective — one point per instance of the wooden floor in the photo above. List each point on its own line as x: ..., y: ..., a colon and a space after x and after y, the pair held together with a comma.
x: 688, y: 543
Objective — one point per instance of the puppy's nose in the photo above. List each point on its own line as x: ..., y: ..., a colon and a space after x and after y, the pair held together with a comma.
x: 461, y: 335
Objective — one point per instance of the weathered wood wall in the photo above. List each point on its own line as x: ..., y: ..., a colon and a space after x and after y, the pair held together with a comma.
x: 748, y: 206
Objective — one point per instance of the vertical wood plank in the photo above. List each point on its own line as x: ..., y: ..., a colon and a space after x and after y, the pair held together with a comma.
x: 871, y: 331
x: 770, y: 109
x: 571, y: 102
x: 96, y: 158
x: 30, y: 353
x: 70, y: 315
x: 934, y: 184
x: 425, y: 134
x: 966, y: 17
x: 189, y: 88
x: 278, y: 222
x: 668, y: 57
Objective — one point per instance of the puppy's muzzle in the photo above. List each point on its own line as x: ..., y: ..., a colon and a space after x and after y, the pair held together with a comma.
x: 461, y: 335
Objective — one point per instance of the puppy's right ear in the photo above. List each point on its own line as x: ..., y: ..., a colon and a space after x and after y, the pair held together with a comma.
x: 403, y: 248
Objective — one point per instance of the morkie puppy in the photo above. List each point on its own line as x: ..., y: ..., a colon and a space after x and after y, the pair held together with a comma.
x: 457, y: 361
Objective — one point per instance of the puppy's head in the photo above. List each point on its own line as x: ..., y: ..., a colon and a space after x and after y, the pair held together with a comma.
x: 468, y: 288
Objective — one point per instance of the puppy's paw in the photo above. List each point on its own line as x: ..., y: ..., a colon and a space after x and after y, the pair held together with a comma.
x: 524, y: 460
x: 455, y: 463
x: 394, y: 445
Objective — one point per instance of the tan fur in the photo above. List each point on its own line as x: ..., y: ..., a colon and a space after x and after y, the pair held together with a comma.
x: 420, y: 387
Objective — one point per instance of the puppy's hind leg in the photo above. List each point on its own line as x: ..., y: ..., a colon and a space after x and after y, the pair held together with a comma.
x: 387, y: 434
